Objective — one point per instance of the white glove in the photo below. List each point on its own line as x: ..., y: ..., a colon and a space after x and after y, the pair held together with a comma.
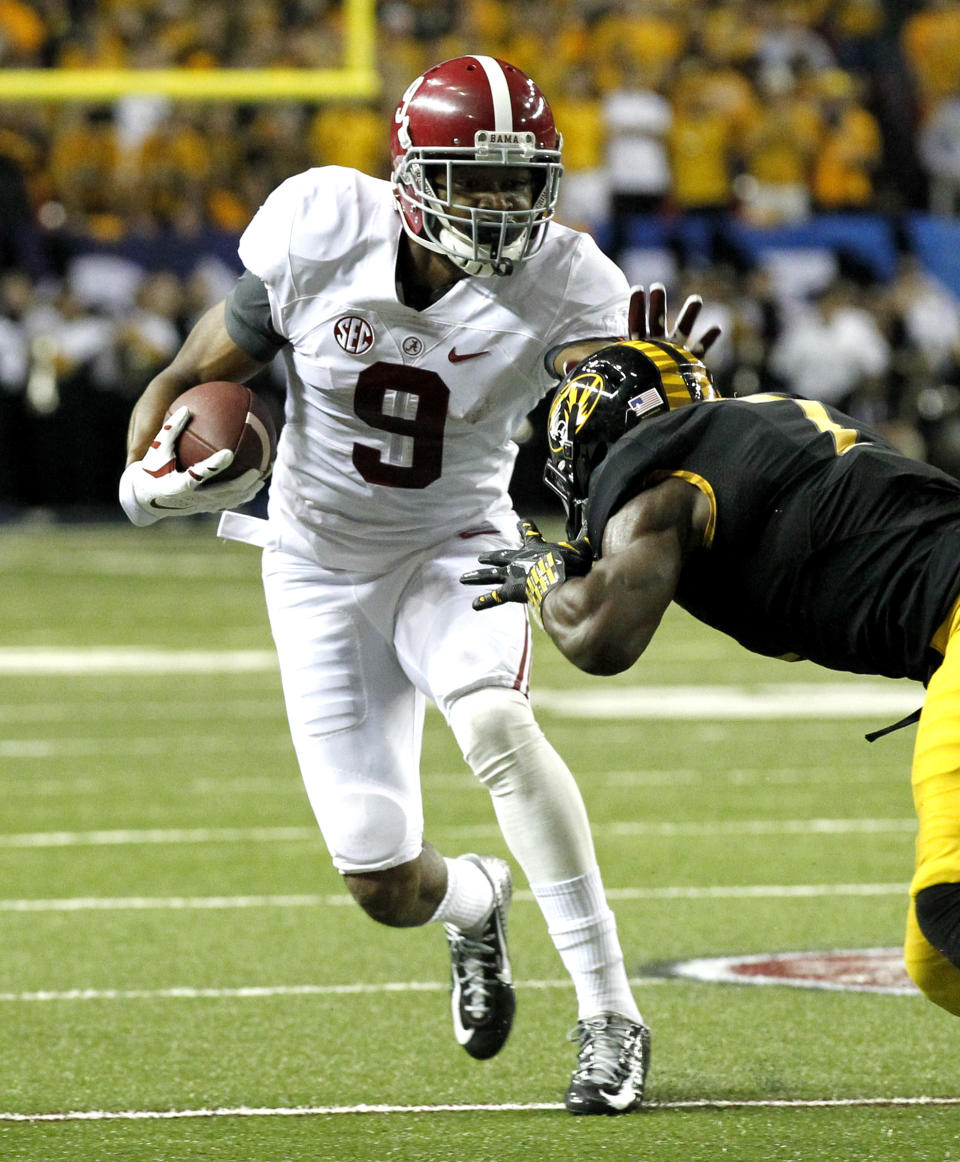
x: 152, y: 488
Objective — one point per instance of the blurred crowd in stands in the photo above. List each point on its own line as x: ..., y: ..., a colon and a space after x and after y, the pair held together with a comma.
x: 118, y: 222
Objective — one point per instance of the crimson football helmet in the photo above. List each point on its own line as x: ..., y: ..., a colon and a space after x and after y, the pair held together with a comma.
x: 602, y: 398
x: 474, y: 111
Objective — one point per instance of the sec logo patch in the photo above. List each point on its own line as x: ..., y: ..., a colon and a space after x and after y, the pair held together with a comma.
x: 355, y: 335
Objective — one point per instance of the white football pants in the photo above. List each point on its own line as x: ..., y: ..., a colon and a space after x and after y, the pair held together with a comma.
x: 358, y: 657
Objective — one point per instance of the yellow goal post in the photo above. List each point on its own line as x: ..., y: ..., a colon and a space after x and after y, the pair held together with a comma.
x: 356, y: 78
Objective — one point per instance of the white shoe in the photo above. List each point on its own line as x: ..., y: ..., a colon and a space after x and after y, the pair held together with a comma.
x: 612, y: 1067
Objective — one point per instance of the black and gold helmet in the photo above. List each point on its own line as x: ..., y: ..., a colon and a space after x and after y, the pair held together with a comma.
x: 606, y: 395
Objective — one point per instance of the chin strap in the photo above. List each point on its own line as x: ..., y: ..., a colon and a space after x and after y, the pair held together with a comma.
x: 908, y: 721
x: 460, y: 251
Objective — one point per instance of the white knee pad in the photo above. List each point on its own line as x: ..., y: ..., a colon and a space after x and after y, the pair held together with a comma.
x: 493, y: 726
x: 537, y: 801
x: 369, y: 829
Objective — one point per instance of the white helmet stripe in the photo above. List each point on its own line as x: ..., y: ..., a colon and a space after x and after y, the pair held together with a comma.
x: 500, y: 92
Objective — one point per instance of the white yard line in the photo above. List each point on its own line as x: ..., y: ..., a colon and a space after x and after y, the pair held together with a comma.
x: 210, y: 742
x: 215, y: 903
x: 203, y: 710
x: 739, y: 828
x: 153, y: 835
x: 257, y: 992
x: 747, y: 827
x: 84, y: 660
x: 852, y: 698
x: 466, y: 1107
x: 454, y: 782
x: 172, y: 903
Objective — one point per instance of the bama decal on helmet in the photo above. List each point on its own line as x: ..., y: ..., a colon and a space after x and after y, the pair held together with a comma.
x: 525, y: 140
x: 579, y: 396
x: 475, y: 111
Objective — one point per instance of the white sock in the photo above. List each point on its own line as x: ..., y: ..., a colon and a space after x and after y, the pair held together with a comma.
x: 544, y: 822
x: 584, y: 932
x: 469, y: 897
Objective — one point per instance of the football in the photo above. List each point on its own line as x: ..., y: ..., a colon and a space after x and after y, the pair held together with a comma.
x: 226, y: 415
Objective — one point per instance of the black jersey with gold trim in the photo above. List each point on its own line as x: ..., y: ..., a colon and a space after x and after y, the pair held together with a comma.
x: 824, y: 542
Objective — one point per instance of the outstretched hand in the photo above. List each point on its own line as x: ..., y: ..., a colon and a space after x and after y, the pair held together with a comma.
x: 647, y: 319
x: 529, y: 573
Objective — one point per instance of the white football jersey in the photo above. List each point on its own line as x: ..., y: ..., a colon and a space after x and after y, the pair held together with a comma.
x: 398, y: 421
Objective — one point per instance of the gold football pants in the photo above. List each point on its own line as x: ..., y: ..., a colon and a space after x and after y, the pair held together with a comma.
x: 936, y: 796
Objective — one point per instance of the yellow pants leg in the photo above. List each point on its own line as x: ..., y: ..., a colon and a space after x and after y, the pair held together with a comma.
x: 936, y: 796
x: 931, y: 972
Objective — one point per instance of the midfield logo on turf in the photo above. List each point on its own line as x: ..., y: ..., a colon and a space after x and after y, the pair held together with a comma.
x: 863, y: 970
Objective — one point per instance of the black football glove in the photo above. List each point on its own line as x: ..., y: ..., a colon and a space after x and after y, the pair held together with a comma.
x: 529, y: 573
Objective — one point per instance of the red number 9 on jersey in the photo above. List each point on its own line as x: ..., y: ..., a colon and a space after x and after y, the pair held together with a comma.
x: 424, y: 427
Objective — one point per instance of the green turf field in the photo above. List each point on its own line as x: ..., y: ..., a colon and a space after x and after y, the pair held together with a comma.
x: 181, y: 971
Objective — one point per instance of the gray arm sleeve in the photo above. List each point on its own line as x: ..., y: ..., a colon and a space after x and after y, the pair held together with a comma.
x: 248, y: 319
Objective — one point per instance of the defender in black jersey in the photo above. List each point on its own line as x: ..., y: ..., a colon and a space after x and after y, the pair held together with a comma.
x: 779, y: 521
x: 821, y: 541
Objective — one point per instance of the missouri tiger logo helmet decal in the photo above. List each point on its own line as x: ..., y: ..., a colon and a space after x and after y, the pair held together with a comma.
x: 605, y: 396
x: 571, y: 408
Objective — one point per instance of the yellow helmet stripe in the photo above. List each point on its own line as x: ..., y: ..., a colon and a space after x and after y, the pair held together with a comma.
x: 674, y: 385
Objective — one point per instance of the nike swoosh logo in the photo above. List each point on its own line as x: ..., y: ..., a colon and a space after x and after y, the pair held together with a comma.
x: 620, y: 1100
x: 455, y: 358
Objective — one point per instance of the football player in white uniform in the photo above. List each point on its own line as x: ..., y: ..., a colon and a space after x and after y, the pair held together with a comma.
x: 419, y: 321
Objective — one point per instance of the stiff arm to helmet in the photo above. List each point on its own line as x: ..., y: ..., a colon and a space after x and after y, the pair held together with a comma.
x: 648, y: 319
x: 474, y: 111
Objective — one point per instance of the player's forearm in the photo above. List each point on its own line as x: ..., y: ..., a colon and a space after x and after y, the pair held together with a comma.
x: 584, y: 624
x: 149, y: 410
x: 604, y: 621
x: 575, y: 353
x: 208, y: 353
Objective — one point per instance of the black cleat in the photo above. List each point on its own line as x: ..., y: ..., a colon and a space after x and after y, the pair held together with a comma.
x: 612, y: 1066
x: 482, y: 1000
